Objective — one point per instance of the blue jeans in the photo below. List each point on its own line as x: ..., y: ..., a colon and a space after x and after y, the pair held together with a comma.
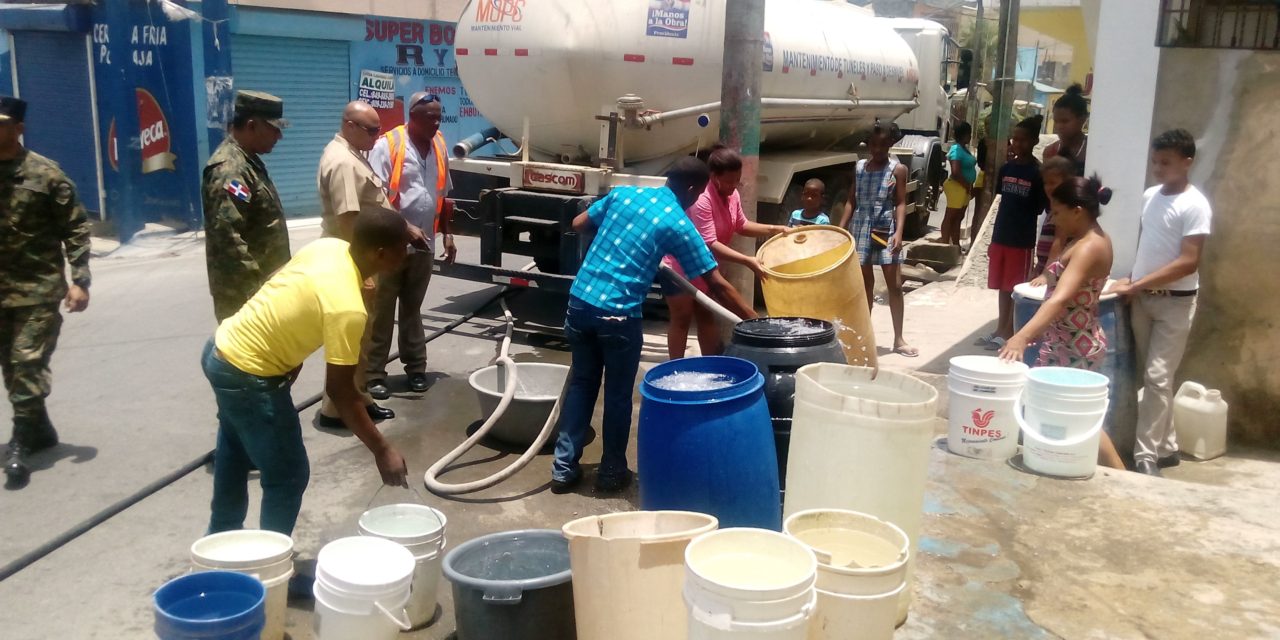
x: 256, y: 423
x: 605, y: 347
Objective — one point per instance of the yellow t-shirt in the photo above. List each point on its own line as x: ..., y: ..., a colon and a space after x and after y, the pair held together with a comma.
x: 313, y: 301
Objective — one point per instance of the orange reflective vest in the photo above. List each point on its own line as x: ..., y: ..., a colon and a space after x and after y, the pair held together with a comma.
x: 397, y: 140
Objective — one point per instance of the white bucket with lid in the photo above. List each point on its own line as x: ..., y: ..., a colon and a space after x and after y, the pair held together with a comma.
x: 1061, y: 413
x: 749, y: 583
x: 980, y: 422
x: 421, y: 530
x: 862, y: 570
x: 265, y: 555
x: 362, y: 585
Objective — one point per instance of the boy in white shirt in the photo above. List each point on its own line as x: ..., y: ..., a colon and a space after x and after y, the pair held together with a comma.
x: 1162, y: 287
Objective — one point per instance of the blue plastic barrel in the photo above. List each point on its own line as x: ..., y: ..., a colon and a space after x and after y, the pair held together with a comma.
x: 710, y: 451
x: 1119, y: 366
x: 210, y: 605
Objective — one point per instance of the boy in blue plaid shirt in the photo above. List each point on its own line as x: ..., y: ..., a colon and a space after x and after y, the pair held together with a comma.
x: 635, y: 227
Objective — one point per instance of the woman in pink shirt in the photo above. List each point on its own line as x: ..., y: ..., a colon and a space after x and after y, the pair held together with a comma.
x: 718, y: 217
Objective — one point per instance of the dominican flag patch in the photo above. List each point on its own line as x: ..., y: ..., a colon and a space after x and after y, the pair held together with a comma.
x: 238, y: 190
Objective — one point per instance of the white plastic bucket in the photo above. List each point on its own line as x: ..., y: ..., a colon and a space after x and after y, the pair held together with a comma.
x: 980, y: 422
x: 861, y: 441
x: 862, y: 570
x: 362, y: 585
x: 421, y: 530
x: 749, y: 583
x: 265, y: 555
x: 1061, y: 413
x: 643, y: 550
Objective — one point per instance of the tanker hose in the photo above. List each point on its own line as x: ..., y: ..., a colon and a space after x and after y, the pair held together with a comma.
x: 475, y: 141
x: 511, y: 384
x: 701, y: 297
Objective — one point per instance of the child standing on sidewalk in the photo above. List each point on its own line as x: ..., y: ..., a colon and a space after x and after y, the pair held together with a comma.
x: 1013, y: 239
x: 1176, y: 221
x: 1053, y: 172
x: 811, y: 199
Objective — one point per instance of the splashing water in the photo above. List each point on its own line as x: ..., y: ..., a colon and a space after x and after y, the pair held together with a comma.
x: 793, y: 327
x: 693, y: 381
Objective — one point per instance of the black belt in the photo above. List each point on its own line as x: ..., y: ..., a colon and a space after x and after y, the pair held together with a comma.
x: 1171, y: 293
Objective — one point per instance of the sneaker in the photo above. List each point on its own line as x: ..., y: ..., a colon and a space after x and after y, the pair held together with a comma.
x: 613, y: 484
x: 559, y: 487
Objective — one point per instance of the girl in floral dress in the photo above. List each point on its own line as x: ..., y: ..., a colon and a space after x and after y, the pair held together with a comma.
x: 1068, y: 319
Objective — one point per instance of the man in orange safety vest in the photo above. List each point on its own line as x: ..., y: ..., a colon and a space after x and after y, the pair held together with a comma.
x: 412, y: 160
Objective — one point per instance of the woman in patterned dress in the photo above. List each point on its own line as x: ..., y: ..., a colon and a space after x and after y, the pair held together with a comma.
x: 1068, y: 319
x: 877, y: 207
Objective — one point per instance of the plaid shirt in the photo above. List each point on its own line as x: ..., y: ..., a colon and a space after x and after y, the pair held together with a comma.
x: 635, y: 227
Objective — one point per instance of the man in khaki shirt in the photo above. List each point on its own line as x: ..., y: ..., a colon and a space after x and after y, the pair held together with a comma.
x: 349, y: 186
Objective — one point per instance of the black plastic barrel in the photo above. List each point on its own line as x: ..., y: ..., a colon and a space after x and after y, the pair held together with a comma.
x: 778, y: 347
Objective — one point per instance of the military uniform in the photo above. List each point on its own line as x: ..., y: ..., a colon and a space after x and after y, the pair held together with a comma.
x: 246, y: 239
x: 42, y: 228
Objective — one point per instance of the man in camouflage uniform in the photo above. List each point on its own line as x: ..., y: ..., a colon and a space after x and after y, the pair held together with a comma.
x: 246, y: 239
x: 40, y: 217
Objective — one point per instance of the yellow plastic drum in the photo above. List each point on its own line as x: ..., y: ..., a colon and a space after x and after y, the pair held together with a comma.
x: 814, y: 273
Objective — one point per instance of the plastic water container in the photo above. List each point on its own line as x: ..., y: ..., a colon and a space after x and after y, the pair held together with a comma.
x: 862, y: 571
x: 814, y: 273
x: 980, y: 422
x: 538, y: 388
x: 265, y: 555
x: 1119, y: 365
x: 1200, y: 420
x: 779, y: 346
x: 749, y: 584
x: 420, y: 529
x: 643, y: 550
x: 1061, y: 413
x: 514, y: 584
x: 709, y: 451
x: 362, y: 585
x: 210, y: 605
x: 862, y: 444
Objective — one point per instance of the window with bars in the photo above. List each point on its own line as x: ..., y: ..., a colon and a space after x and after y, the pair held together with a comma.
x: 1221, y: 24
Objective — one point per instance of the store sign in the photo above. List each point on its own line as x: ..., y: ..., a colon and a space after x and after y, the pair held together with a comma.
x: 154, y: 134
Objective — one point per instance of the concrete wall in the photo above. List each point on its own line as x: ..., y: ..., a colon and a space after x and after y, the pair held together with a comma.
x: 1227, y: 100
x: 446, y: 10
x: 1124, y: 90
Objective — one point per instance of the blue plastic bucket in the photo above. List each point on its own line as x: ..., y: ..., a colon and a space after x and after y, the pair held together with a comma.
x: 210, y: 605
x: 710, y: 451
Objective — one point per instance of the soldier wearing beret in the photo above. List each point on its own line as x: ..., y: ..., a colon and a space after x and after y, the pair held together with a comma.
x: 246, y: 239
x: 42, y: 228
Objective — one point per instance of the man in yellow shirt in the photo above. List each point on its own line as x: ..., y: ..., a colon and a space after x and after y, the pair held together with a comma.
x: 256, y: 354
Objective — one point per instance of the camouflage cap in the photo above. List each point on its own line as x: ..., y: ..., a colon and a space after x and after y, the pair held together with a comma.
x: 12, y: 109
x: 257, y: 104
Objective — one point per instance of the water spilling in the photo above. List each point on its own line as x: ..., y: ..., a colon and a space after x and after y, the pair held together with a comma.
x: 693, y: 381
x: 792, y: 326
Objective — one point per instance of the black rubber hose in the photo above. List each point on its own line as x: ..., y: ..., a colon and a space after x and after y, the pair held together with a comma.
x: 31, y: 557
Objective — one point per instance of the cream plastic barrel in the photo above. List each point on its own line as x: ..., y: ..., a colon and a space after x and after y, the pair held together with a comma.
x: 815, y: 273
x: 862, y: 571
x: 643, y: 550
x: 749, y: 584
x: 265, y: 555
x: 571, y: 60
x: 862, y: 444
x: 1200, y: 419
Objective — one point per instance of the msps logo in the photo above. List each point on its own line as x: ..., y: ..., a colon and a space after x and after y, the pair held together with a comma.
x: 498, y: 11
x: 981, y: 419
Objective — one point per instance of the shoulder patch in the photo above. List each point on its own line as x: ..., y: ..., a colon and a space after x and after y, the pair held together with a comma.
x: 238, y: 190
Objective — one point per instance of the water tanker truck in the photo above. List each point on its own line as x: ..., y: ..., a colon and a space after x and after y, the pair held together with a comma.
x: 600, y: 94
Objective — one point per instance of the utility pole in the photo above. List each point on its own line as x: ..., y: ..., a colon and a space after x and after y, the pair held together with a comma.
x: 1006, y: 66
x: 740, y: 116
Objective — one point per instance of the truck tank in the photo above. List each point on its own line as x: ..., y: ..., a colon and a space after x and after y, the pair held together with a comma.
x: 830, y: 71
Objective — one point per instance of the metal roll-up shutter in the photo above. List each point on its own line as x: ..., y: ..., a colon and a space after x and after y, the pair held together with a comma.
x: 53, y: 77
x: 313, y: 78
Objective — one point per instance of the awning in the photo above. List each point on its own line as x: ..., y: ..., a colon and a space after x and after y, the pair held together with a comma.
x: 45, y: 17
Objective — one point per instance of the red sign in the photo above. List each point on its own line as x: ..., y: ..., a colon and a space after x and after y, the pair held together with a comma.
x: 154, y: 134
x: 549, y: 179
x: 499, y: 11
x: 113, y: 152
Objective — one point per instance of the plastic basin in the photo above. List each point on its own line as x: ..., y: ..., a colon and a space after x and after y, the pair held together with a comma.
x: 538, y: 387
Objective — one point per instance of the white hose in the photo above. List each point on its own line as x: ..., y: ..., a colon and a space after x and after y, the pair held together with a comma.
x: 509, y: 368
x: 702, y: 298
